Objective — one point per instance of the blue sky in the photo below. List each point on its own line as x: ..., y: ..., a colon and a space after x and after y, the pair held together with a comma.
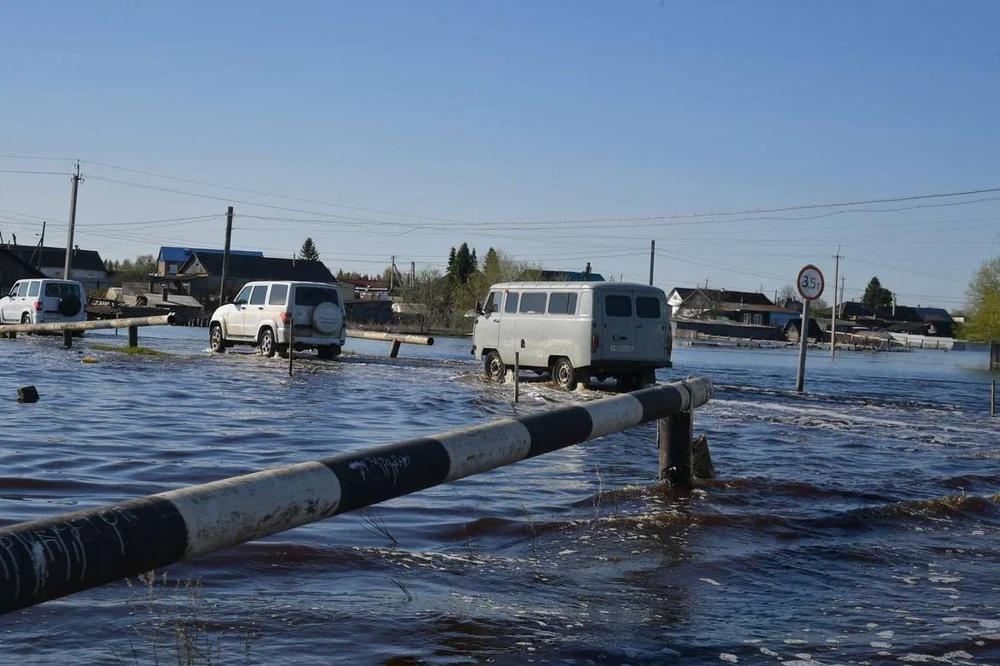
x: 557, y: 132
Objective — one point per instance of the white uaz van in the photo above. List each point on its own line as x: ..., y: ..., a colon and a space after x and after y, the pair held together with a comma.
x: 575, y: 330
x: 44, y: 300
x: 269, y: 314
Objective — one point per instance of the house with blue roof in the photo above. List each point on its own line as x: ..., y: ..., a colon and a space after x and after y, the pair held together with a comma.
x: 170, y: 259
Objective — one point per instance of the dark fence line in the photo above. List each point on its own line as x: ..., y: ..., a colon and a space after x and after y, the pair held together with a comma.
x: 53, y: 557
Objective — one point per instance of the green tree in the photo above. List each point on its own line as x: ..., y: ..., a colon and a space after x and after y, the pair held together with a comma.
x: 309, y: 251
x: 876, y: 296
x: 983, y: 293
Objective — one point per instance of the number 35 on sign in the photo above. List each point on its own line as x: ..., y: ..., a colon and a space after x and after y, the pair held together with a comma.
x: 810, y: 282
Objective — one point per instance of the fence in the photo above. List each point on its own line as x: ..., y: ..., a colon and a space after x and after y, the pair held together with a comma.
x: 53, y: 557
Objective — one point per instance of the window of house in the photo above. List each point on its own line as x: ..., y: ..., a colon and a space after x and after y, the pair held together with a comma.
x: 562, y: 302
x: 510, y: 304
x: 618, y: 305
x: 647, y: 307
x: 278, y: 295
x: 533, y: 303
x: 259, y: 295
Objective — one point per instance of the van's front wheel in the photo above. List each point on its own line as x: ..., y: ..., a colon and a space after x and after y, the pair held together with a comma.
x: 564, y: 374
x: 493, y: 367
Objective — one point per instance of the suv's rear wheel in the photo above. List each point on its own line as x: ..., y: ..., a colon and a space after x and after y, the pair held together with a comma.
x: 215, y: 339
x: 266, y: 343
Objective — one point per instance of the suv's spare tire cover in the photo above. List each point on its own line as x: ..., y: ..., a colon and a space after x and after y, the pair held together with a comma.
x: 69, y: 306
x: 327, y: 318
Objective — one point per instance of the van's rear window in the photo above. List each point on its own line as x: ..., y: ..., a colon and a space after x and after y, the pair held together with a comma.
x: 616, y: 305
x: 647, y: 307
x: 562, y: 302
x: 315, y: 296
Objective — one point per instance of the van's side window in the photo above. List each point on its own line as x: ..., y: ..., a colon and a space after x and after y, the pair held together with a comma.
x: 492, y: 302
x: 562, y: 302
x: 259, y: 295
x: 278, y: 295
x: 647, y: 307
x: 617, y: 305
x: 533, y: 303
x: 510, y: 304
x: 33, y: 288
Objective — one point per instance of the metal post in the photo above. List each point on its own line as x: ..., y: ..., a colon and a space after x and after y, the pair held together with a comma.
x: 833, y: 313
x: 72, y: 221
x: 673, y: 435
x: 291, y: 343
x: 803, y: 342
x: 225, y: 256
x: 517, y: 376
x: 133, y: 336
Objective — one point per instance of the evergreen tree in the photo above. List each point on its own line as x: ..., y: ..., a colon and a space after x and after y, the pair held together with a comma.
x: 309, y: 251
x: 876, y: 296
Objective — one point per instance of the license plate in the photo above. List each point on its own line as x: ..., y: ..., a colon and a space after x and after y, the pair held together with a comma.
x: 623, y: 348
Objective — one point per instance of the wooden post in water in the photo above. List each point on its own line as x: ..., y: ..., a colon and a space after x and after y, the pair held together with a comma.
x: 394, y: 352
x: 993, y: 397
x: 291, y: 343
x: 517, y: 375
x: 673, y: 436
x: 67, y: 339
x: 133, y: 336
x: 995, y: 355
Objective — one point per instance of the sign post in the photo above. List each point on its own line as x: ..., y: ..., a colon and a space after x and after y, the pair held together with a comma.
x: 810, y: 286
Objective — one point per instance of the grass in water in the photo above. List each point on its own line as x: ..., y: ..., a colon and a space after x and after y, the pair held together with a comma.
x: 134, y: 351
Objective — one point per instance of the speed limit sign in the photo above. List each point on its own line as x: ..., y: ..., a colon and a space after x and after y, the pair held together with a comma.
x: 810, y: 282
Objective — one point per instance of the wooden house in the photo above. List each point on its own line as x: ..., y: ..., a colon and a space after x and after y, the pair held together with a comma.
x: 745, y: 307
x: 170, y: 259
x: 86, y: 265
x: 14, y: 268
x: 202, y: 274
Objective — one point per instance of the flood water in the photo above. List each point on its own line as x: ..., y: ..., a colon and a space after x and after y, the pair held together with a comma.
x: 855, y: 523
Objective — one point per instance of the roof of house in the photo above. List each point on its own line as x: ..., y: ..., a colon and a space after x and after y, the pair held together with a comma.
x: 84, y: 260
x: 933, y: 314
x: 10, y: 259
x: 725, y: 296
x: 566, y: 276
x: 261, y: 268
x: 182, y: 254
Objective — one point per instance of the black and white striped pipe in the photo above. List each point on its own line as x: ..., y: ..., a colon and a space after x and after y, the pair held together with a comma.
x: 50, y: 558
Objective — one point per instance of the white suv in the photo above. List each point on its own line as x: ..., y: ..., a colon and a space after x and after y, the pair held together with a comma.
x: 40, y: 301
x: 263, y: 314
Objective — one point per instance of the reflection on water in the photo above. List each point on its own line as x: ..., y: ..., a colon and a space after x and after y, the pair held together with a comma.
x: 854, y: 523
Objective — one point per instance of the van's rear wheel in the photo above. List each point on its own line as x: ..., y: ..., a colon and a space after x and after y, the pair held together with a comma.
x: 215, y: 339
x: 564, y: 374
x: 494, y: 367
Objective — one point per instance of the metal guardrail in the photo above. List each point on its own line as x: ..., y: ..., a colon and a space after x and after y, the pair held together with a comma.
x: 67, y: 328
x: 395, y: 338
x: 53, y: 557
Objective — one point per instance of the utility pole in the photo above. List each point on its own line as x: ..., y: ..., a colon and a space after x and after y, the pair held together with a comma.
x: 72, y: 220
x: 225, y: 257
x: 392, y: 272
x: 652, y: 251
x: 413, y: 273
x: 833, y: 327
